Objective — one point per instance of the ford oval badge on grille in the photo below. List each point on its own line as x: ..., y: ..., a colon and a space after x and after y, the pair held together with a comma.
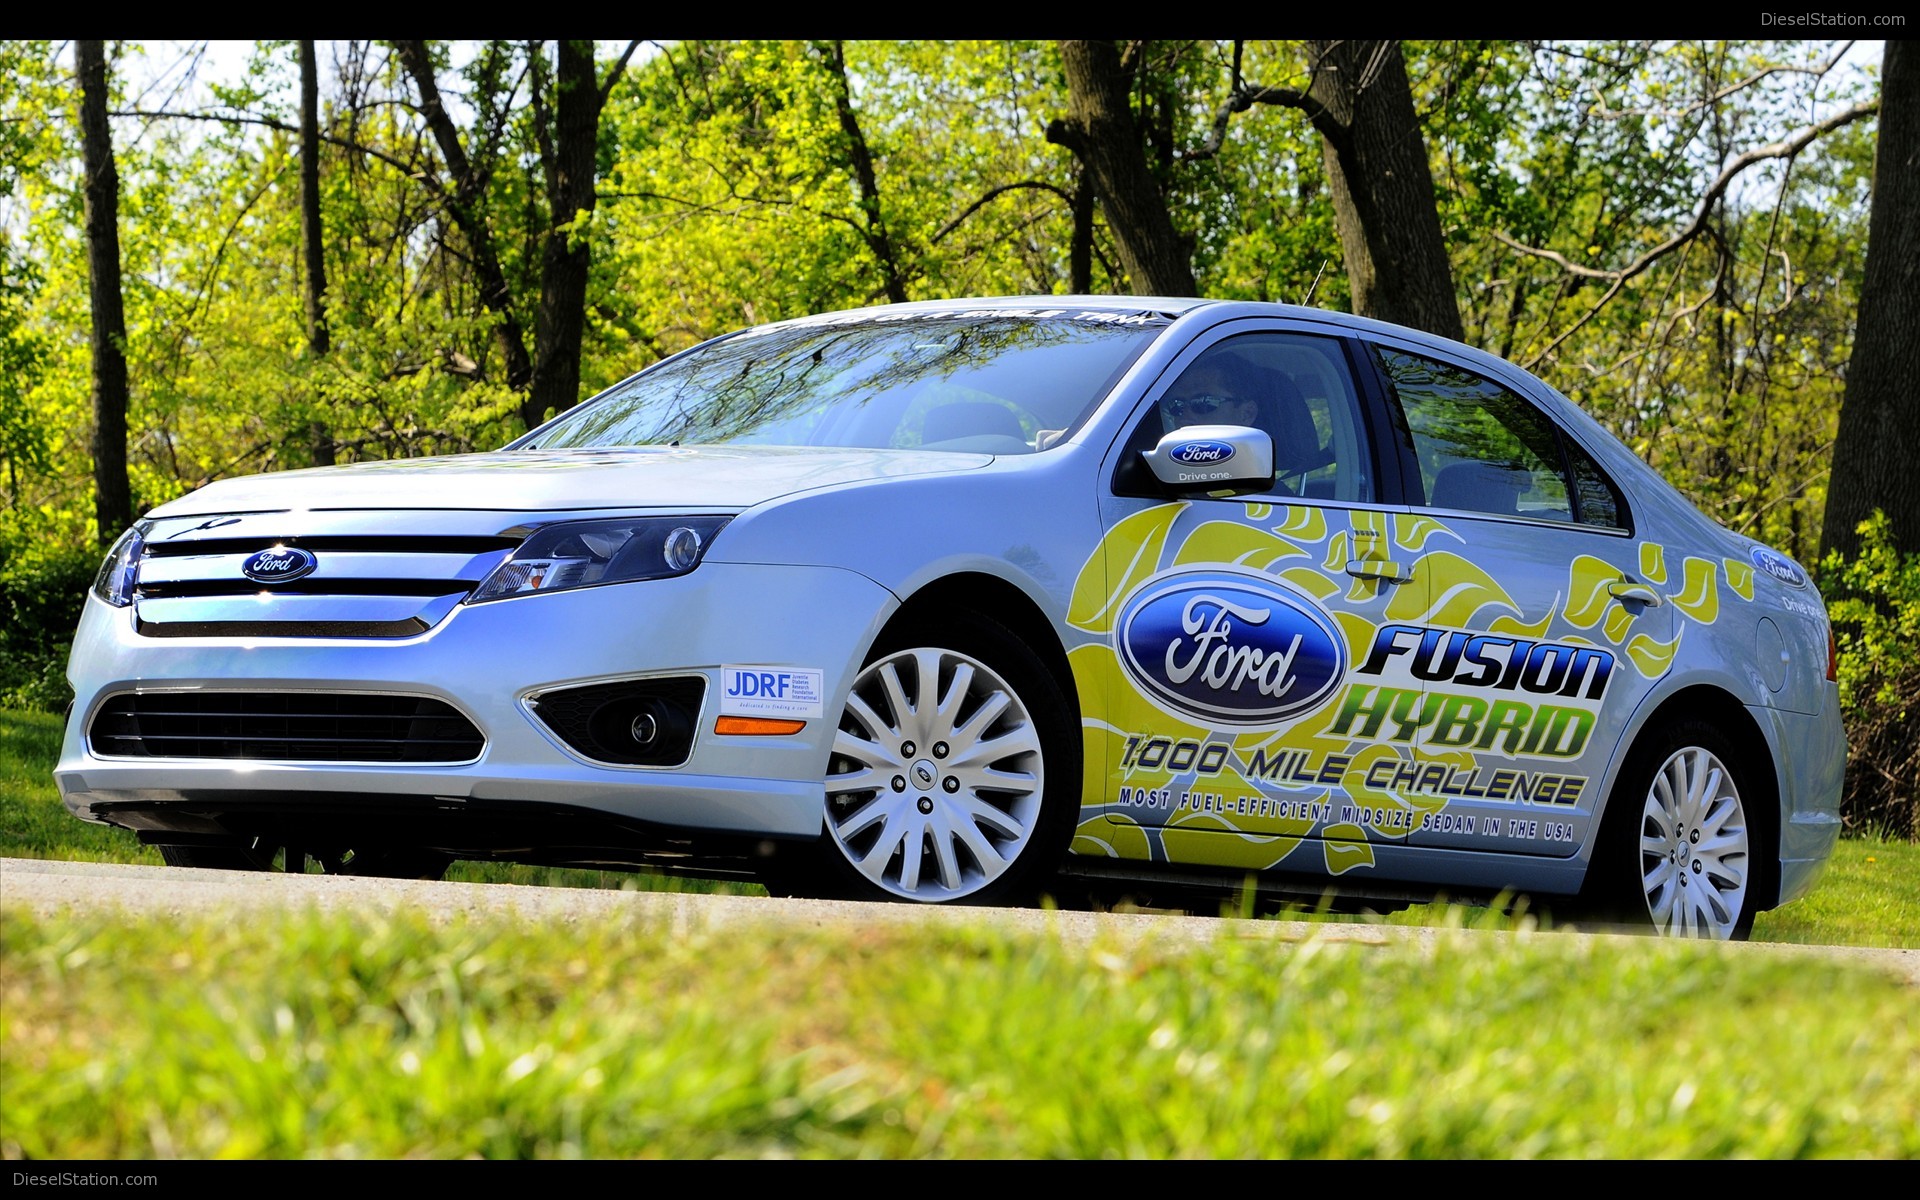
x: 1200, y: 452
x: 278, y: 564
x: 1231, y: 649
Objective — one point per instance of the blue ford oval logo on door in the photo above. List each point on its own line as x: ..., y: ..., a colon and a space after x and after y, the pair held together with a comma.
x: 1784, y: 569
x: 1200, y: 452
x: 1229, y: 649
x: 279, y: 564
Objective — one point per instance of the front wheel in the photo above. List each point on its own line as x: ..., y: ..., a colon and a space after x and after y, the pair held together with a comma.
x: 955, y: 771
x: 1679, y: 851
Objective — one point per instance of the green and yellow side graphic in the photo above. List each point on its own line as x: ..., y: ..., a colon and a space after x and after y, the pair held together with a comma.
x: 1385, y: 753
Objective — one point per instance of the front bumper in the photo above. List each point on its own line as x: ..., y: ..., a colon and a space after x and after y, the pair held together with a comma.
x: 485, y: 660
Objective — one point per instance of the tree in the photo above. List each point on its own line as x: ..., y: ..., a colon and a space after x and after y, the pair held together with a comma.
x: 566, y: 123
x: 1357, y: 98
x: 1101, y: 131
x: 1360, y: 101
x: 113, y: 498
x: 465, y: 200
x: 1362, y: 105
x: 1879, y: 438
x: 569, y: 155
x: 313, y: 240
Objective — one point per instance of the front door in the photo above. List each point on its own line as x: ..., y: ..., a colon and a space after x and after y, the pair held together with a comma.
x: 1229, y: 628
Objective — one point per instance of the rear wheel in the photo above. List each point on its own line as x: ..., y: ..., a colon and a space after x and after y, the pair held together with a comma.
x: 265, y: 856
x: 1680, y: 851
x: 955, y: 772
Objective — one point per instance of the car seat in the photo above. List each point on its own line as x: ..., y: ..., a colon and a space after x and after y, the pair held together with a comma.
x: 1296, y: 441
x: 1479, y: 486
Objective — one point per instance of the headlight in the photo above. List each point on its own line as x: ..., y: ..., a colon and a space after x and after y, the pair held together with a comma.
x: 114, y: 583
x: 576, y: 554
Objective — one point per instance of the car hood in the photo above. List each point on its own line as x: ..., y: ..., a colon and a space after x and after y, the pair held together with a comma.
x: 705, y: 477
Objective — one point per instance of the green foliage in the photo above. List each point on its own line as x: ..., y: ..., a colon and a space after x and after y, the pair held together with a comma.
x: 729, y: 196
x: 1873, y: 600
x: 43, y: 586
x: 1721, y: 362
x: 303, y: 1034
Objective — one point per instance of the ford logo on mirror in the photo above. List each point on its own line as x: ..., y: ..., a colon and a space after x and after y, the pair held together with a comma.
x: 1784, y: 569
x: 1200, y: 452
x: 1228, y: 649
x: 279, y: 564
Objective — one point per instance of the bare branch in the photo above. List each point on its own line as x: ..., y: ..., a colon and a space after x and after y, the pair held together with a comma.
x: 411, y: 169
x: 613, y: 76
x: 1243, y: 96
x: 1785, y: 148
x: 1554, y: 256
x: 992, y: 194
x: 1819, y: 70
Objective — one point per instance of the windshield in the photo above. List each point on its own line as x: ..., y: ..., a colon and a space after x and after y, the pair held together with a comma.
x: 992, y: 383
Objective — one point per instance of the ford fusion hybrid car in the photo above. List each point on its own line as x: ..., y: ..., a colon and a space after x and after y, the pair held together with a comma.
x: 985, y: 600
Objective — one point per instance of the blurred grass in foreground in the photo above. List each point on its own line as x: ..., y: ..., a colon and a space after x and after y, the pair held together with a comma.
x: 297, y: 1034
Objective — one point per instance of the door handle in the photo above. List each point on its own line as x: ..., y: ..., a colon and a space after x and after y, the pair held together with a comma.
x: 1640, y: 592
x: 1377, y: 568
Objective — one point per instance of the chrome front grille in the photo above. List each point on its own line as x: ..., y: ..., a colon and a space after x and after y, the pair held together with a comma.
x: 375, y: 581
x: 283, y: 727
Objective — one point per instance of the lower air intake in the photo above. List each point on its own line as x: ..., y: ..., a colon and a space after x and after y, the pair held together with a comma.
x: 284, y: 727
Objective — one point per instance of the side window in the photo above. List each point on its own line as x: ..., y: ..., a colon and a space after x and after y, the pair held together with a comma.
x: 1597, y: 501
x: 1295, y: 387
x: 1482, y: 448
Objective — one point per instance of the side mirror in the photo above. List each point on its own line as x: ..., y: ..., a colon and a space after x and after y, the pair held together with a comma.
x: 1226, y: 460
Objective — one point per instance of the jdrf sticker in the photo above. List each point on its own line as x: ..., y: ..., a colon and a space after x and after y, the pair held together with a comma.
x: 771, y: 691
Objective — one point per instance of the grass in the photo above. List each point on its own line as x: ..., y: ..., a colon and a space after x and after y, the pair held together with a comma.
x: 1869, y: 894
x: 303, y: 1035
x: 33, y: 822
x: 297, y: 1034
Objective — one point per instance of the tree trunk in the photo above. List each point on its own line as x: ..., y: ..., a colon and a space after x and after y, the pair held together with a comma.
x: 112, y: 497
x: 312, y: 235
x: 1879, y: 437
x: 1383, y: 202
x: 1100, y: 130
x: 566, y: 257
x: 1080, y: 249
x: 467, y: 206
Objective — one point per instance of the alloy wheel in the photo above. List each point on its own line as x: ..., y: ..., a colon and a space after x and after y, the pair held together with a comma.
x: 937, y: 776
x: 1695, y: 857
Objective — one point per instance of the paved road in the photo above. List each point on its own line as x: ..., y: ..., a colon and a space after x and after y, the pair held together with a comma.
x: 47, y: 887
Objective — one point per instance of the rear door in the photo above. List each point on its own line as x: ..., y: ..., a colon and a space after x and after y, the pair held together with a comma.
x: 1545, y: 622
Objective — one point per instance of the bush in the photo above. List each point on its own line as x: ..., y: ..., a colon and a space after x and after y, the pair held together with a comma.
x: 43, y: 586
x: 1874, y: 603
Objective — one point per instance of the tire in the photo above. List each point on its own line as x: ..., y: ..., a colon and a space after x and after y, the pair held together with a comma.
x: 381, y: 864
x: 1680, y: 853
x: 955, y: 772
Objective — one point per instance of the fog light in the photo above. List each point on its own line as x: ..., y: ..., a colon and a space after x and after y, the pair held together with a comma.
x: 644, y: 729
x: 638, y: 722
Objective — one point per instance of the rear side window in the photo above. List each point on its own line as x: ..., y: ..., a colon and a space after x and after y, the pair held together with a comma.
x: 1483, y: 448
